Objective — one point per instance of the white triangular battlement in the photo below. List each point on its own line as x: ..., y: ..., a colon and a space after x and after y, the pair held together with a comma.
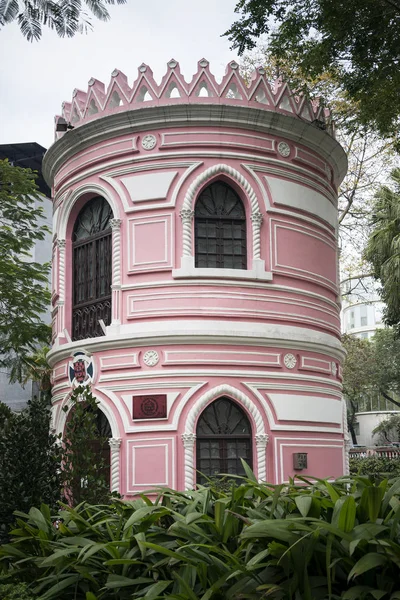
x: 259, y: 93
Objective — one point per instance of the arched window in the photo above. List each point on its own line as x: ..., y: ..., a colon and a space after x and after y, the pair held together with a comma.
x: 220, y: 228
x: 223, y: 437
x: 91, y: 269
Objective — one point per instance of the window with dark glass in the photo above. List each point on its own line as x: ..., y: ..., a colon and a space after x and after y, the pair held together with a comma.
x: 91, y: 269
x: 223, y: 437
x: 220, y: 228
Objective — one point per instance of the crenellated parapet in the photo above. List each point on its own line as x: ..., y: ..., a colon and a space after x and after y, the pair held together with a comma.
x: 259, y: 93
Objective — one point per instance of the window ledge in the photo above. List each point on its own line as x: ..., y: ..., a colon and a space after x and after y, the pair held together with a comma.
x: 189, y: 271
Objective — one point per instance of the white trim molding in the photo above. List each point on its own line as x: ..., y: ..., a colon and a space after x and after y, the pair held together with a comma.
x: 94, y: 188
x: 189, y: 436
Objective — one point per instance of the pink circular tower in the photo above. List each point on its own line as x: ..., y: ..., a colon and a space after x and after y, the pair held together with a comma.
x: 195, y: 282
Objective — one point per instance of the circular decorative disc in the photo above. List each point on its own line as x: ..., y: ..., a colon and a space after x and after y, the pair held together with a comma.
x: 150, y: 358
x: 283, y: 149
x: 290, y: 361
x: 149, y: 141
x: 334, y: 369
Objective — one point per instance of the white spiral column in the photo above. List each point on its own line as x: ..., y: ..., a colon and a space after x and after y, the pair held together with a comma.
x: 61, y: 285
x: 116, y: 270
x: 188, y: 440
x: 256, y: 219
x: 261, y: 445
x: 347, y: 441
x: 115, y: 444
x: 187, y: 218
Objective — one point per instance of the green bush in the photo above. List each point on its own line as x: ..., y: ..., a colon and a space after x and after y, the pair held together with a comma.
x: 377, y: 467
x: 9, y: 591
x: 29, y: 462
x: 308, y: 540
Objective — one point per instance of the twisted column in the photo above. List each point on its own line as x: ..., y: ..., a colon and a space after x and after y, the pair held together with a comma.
x: 256, y: 219
x: 61, y: 284
x: 116, y: 250
x: 61, y: 269
x: 116, y: 269
x: 188, y: 440
x: 261, y: 445
x: 187, y: 218
x: 347, y: 440
x: 115, y: 444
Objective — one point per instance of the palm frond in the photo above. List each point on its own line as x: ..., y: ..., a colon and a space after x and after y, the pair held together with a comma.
x: 8, y: 11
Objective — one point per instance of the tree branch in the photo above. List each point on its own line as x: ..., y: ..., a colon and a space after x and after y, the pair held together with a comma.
x: 387, y: 397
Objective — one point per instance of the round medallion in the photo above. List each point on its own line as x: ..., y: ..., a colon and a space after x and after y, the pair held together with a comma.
x: 283, y: 149
x: 149, y: 141
x: 290, y: 361
x: 149, y: 407
x: 334, y: 369
x: 150, y: 358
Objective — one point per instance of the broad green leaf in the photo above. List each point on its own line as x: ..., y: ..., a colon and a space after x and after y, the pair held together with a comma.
x: 303, y: 503
x: 344, y: 513
x: 257, y: 558
x: 356, y: 592
x: 272, y: 528
x: 366, y: 563
x: 38, y: 518
x: 117, y: 581
x: 371, y: 502
x: 91, y: 596
x: 157, y: 589
x: 249, y: 473
x: 53, y: 592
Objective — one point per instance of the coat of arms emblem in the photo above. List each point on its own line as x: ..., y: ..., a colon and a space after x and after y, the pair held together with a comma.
x: 81, y: 369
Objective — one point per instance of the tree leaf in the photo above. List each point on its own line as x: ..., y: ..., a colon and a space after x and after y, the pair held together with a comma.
x: 366, y: 563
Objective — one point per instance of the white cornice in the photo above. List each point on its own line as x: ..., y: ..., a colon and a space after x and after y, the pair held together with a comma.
x: 178, y: 115
x: 204, y: 332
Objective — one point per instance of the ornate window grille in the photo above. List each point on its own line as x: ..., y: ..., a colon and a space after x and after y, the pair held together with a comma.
x: 223, y: 437
x: 220, y: 228
x: 91, y: 269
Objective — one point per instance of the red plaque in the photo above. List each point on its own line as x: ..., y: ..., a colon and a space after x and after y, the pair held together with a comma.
x: 150, y: 407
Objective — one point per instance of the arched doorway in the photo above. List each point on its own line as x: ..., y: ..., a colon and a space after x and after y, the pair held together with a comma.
x: 223, y: 436
x: 100, y: 445
x: 86, y: 456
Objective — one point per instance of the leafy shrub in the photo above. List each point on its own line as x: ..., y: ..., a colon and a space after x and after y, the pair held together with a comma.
x: 308, y: 540
x: 9, y: 591
x: 84, y: 468
x: 29, y: 462
x: 376, y: 467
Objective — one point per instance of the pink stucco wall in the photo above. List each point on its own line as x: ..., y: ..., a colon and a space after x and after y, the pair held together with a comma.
x: 267, y: 337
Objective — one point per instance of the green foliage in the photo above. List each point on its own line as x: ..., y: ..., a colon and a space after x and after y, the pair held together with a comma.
x: 389, y: 429
x: 9, y: 591
x: 67, y: 17
x: 310, y: 539
x: 84, y: 467
x: 371, y: 373
x: 358, y: 40
x: 29, y: 461
x: 375, y: 467
x: 23, y: 282
x: 383, y: 249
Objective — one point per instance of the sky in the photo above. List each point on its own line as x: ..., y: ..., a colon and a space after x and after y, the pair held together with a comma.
x: 36, y: 77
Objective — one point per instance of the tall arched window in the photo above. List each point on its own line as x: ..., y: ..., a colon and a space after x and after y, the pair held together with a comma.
x: 223, y: 437
x: 220, y: 228
x: 91, y: 269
